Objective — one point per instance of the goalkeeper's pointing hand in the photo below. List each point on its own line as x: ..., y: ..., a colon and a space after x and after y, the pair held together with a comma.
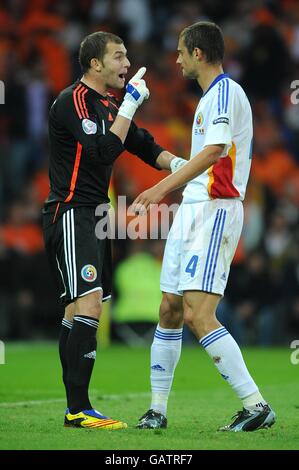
x: 137, y: 92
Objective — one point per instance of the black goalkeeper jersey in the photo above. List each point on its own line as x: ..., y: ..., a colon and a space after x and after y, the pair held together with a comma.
x: 82, y: 148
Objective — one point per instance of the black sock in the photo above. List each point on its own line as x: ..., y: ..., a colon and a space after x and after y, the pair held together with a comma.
x: 66, y: 327
x: 81, y: 354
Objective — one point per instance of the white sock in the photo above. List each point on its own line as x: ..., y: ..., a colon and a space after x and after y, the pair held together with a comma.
x: 227, y: 357
x: 165, y: 354
x: 255, y: 402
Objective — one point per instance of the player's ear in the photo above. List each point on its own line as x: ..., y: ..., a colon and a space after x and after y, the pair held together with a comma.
x: 96, y: 64
x: 198, y: 54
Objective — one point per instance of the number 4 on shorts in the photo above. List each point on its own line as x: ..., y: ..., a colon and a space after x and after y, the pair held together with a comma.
x: 191, y: 266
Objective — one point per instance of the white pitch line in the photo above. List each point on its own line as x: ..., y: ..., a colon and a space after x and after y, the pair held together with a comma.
x: 15, y: 404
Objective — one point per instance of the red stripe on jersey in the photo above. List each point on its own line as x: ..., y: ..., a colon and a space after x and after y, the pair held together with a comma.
x: 110, y: 117
x: 221, y: 176
x: 80, y: 93
x: 75, y: 96
x: 84, y: 104
x: 75, y: 172
x: 105, y: 103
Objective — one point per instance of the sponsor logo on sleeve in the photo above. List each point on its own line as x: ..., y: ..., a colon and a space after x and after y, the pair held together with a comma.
x: 221, y: 120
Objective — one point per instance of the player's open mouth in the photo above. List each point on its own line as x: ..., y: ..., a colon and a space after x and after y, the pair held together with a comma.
x: 122, y: 76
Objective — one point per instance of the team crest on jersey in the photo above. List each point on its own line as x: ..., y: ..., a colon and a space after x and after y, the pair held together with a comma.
x: 89, y: 273
x: 199, y: 130
x: 199, y: 120
x: 89, y: 126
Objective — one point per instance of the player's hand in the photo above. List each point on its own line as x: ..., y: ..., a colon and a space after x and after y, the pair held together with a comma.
x: 137, y: 92
x: 145, y: 199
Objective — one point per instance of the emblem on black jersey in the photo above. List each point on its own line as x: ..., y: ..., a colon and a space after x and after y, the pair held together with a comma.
x: 89, y: 126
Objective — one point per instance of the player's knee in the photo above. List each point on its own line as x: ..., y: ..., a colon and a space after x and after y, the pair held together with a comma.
x: 69, y: 311
x: 90, y: 305
x: 94, y: 311
x: 171, y: 311
x: 189, y: 317
x: 193, y: 320
x: 199, y: 323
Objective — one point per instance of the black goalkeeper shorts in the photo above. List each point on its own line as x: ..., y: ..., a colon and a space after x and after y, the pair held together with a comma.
x: 81, y: 263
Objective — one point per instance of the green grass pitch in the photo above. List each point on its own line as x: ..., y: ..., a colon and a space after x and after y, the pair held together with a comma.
x: 32, y: 401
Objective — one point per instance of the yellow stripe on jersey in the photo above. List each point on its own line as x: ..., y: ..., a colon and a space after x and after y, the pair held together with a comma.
x: 211, y: 179
x: 232, y: 154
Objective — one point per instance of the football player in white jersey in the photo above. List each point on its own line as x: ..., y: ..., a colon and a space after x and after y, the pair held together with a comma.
x: 205, y: 232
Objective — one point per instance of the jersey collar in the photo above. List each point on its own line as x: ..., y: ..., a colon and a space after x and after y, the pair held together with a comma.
x: 216, y: 80
x: 92, y: 90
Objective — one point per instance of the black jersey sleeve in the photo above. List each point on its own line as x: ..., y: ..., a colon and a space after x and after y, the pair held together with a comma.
x: 86, y: 129
x: 141, y: 143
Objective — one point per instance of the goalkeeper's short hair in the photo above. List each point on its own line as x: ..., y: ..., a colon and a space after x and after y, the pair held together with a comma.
x: 94, y: 47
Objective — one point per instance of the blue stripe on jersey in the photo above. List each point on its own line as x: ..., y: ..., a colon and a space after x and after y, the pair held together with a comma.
x: 209, y: 249
x: 218, y: 248
x: 217, y: 79
x: 223, y: 94
x: 227, y: 90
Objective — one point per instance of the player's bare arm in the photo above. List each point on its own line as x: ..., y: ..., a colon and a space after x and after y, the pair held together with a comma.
x: 164, y: 160
x: 200, y: 163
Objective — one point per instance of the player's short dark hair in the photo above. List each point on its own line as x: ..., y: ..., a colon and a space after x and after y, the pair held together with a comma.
x: 94, y: 47
x: 206, y: 36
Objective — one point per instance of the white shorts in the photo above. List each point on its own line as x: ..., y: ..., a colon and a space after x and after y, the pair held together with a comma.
x: 200, y: 246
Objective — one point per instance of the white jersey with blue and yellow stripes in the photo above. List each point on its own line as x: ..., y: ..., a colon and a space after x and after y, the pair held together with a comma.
x: 223, y: 116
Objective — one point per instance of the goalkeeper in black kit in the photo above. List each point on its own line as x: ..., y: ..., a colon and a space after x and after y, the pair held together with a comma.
x: 88, y: 130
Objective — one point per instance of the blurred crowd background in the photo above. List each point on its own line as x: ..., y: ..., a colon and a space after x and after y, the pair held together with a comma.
x: 39, y: 41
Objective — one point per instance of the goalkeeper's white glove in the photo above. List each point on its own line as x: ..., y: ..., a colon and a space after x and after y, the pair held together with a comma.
x: 177, y: 163
x: 136, y: 93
